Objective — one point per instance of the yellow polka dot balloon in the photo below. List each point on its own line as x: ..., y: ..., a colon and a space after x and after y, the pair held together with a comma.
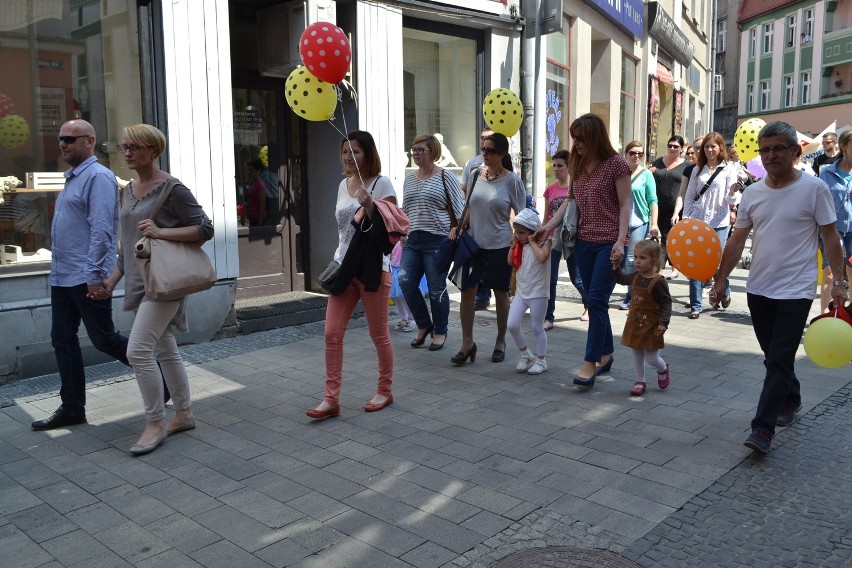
x: 309, y: 97
x: 694, y: 249
x: 503, y: 111
x: 745, y: 138
x: 14, y: 131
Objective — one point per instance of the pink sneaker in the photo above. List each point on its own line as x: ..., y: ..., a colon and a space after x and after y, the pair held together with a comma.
x: 664, y: 378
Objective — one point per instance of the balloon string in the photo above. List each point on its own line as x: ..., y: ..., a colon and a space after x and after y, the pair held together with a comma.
x: 346, y: 137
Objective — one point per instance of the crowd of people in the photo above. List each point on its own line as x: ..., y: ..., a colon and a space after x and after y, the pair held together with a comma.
x: 625, y: 210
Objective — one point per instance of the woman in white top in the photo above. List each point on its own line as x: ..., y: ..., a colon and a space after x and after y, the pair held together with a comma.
x: 711, y: 195
x: 363, y: 185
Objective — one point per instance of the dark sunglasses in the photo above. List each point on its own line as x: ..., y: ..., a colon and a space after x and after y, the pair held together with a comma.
x: 487, y: 151
x: 636, y: 153
x: 71, y: 139
x: 674, y: 146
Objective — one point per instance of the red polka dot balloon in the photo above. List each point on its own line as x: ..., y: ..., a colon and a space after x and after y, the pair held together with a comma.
x: 325, y: 51
x: 694, y: 249
x: 6, y: 106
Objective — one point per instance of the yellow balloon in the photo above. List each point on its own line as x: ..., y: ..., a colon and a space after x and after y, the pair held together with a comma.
x: 14, y: 131
x: 503, y: 111
x: 828, y: 342
x: 263, y: 156
x: 745, y: 138
x: 309, y: 97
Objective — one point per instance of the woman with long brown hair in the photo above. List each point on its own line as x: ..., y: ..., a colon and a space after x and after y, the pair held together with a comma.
x: 601, y: 186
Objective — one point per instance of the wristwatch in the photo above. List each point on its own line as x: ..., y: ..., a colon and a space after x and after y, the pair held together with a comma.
x: 844, y: 283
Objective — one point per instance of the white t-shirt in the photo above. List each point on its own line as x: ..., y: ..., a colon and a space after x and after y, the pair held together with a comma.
x: 344, y: 212
x: 785, y: 224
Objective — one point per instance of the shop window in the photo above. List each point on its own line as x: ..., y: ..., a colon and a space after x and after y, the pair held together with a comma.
x: 627, y: 106
x: 440, y: 75
x: 69, y: 61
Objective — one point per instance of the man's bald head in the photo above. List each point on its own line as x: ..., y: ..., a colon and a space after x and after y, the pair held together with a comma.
x: 76, y: 141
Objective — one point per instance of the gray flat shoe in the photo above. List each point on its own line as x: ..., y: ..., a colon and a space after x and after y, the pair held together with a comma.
x: 141, y: 449
x: 187, y: 425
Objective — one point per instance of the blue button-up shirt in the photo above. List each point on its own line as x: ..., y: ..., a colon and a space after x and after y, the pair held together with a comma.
x: 84, y: 231
x: 840, y: 184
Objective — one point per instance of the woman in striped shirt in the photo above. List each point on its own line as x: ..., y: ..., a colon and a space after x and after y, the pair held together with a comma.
x: 429, y: 194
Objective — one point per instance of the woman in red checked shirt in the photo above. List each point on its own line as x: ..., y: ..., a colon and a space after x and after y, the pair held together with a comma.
x: 601, y: 186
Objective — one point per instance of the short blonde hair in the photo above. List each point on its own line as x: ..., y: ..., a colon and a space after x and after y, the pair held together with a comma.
x: 147, y: 136
x: 431, y: 143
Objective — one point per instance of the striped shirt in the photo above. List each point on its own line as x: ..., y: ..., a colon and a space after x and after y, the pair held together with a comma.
x: 425, y: 202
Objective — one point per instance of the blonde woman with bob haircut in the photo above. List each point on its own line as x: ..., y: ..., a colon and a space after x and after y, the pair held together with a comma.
x: 430, y: 193
x: 152, y: 338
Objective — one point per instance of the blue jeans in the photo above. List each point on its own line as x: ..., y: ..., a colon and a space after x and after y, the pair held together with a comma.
x: 418, y: 258
x: 69, y: 306
x: 571, y: 263
x: 596, y: 272
x: 778, y: 326
x: 636, y: 234
x: 696, y: 286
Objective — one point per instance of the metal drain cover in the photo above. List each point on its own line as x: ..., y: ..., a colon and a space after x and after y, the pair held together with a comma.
x: 563, y: 557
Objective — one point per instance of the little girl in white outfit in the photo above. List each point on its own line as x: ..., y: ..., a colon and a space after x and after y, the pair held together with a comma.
x: 532, y: 278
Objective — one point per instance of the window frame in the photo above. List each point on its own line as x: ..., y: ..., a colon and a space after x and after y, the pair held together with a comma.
x: 808, y: 24
x: 749, y: 98
x: 768, y: 35
x: 752, y: 43
x: 792, y: 27
x: 789, y: 91
x: 807, y: 87
x: 765, y: 95
x: 722, y: 36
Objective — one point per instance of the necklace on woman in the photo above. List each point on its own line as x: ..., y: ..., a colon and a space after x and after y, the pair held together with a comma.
x: 489, y: 177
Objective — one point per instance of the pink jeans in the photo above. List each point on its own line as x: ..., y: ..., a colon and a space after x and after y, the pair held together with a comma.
x: 337, y: 315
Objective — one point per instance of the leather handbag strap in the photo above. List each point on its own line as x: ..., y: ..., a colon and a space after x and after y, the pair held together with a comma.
x: 709, y: 181
x: 470, y: 192
x: 449, y: 204
x: 167, y: 190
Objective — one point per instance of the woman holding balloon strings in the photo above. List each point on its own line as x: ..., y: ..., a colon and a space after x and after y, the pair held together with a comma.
x: 711, y: 195
x: 601, y: 186
x: 430, y: 194
x: 363, y: 187
x: 493, y: 197
x: 668, y: 172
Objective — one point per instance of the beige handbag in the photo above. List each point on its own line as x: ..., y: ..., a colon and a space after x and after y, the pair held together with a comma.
x: 172, y: 269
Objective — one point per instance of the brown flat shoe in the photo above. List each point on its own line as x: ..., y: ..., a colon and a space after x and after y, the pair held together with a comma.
x: 327, y: 413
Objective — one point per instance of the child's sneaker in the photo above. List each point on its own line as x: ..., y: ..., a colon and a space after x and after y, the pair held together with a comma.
x: 538, y: 367
x: 408, y: 325
x: 525, y: 361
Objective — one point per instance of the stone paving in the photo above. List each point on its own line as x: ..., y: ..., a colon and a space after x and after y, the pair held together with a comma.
x: 468, y: 465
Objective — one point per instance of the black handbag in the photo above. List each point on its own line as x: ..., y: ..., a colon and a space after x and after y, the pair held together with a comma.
x: 327, y: 276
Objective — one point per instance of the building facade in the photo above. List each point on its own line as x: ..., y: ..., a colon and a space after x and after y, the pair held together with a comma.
x: 726, y: 86
x: 796, y: 62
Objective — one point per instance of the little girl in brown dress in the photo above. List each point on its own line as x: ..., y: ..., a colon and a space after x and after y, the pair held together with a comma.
x: 649, y: 316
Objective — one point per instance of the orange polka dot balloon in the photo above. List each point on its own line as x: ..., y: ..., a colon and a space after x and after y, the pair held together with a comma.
x: 694, y: 249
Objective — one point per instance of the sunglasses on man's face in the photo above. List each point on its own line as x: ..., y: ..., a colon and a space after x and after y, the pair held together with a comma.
x: 71, y: 139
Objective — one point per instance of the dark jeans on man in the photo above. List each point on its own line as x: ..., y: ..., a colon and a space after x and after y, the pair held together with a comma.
x: 69, y: 306
x: 778, y: 325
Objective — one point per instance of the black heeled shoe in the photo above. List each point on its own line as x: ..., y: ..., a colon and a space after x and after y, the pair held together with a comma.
x: 435, y: 347
x: 461, y: 357
x: 605, y: 368
x: 590, y: 382
x: 419, y: 341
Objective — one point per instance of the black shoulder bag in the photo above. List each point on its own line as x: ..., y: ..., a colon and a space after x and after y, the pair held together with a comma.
x: 709, y: 181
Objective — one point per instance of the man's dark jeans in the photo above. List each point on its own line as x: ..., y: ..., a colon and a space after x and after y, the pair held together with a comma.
x: 778, y: 325
x: 70, y: 305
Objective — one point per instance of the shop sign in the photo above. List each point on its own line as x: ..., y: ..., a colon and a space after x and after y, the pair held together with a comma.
x: 664, y: 30
x: 629, y: 15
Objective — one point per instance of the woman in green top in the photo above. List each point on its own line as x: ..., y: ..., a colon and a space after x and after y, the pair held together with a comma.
x: 643, y: 211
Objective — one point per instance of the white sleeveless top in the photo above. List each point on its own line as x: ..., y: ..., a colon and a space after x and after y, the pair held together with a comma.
x: 533, y: 277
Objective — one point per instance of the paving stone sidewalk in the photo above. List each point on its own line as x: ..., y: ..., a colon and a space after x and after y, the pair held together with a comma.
x: 467, y: 466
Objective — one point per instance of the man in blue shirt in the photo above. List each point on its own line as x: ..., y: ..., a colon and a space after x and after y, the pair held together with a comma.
x: 84, y: 236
